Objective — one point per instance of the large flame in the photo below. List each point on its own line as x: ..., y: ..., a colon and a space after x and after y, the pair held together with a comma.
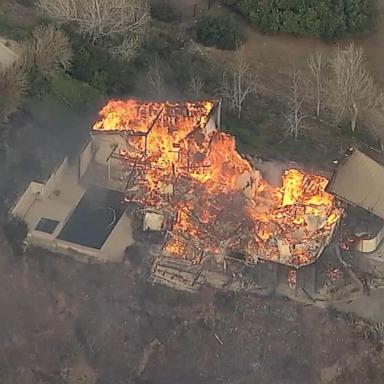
x: 218, y: 202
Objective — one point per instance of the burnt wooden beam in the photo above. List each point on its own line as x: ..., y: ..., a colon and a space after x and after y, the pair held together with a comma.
x: 154, y: 121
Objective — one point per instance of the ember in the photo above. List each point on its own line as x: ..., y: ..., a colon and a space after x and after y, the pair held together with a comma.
x: 335, y: 274
x: 181, y: 165
x: 292, y: 278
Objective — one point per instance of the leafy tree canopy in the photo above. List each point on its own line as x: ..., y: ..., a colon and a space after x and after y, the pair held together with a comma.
x: 325, y: 18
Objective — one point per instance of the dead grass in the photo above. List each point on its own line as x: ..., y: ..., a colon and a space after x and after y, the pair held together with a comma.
x: 94, y: 324
x: 62, y: 321
x: 273, y: 57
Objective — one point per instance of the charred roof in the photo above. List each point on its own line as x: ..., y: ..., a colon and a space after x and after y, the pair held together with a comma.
x: 140, y: 117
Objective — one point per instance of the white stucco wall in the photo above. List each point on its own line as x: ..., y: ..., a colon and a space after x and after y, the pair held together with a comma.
x: 105, y: 144
x: 22, y: 206
x: 86, y: 158
x: 51, y: 184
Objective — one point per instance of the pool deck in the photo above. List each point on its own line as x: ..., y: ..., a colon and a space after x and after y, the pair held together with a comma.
x: 57, y: 200
x: 59, y: 204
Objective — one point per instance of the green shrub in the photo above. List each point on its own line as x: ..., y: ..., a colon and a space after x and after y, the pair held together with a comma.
x: 38, y: 84
x: 96, y: 67
x: 161, y: 41
x: 221, y: 31
x: 12, y: 31
x: 26, y: 3
x: 325, y: 18
x: 76, y: 92
x: 361, y: 15
x: 16, y: 230
x: 185, y: 64
x: 134, y: 255
x: 164, y: 11
x: 243, y: 131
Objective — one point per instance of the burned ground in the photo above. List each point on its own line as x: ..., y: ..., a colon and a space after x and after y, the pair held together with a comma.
x: 68, y: 322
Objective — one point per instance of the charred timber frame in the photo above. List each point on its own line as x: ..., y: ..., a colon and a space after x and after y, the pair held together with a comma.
x: 141, y: 162
x: 188, y: 252
x: 127, y: 134
x: 138, y: 165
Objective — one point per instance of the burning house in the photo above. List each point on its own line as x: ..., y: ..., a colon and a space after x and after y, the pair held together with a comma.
x: 171, y: 160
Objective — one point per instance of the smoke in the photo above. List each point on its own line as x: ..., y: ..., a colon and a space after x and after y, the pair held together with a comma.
x: 271, y: 171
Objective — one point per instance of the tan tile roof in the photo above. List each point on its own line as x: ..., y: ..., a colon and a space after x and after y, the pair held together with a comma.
x: 359, y: 180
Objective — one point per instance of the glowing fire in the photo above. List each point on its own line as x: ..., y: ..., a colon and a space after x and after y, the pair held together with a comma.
x: 218, y: 202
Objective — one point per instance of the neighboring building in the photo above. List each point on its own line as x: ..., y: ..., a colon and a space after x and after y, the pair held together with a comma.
x: 359, y: 181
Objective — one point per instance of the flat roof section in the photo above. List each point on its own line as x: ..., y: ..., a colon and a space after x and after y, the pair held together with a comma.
x: 94, y: 218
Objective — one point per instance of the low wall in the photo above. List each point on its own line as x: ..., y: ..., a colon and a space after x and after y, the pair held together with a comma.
x: 104, y: 145
x: 211, y: 125
x: 38, y: 190
x: 72, y: 249
x: 22, y: 206
x: 50, y: 185
x: 44, y: 240
x: 86, y: 158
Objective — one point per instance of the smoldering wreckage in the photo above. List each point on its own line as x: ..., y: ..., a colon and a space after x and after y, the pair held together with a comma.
x: 177, y: 173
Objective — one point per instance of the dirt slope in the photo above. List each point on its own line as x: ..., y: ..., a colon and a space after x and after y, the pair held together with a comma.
x: 64, y: 322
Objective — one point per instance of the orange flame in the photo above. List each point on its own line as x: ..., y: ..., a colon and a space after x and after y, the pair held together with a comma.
x: 219, y: 201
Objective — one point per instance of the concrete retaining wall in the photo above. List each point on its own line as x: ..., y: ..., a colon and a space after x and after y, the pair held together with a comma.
x: 211, y: 125
x: 33, y: 192
x: 44, y: 240
x: 86, y: 158
x: 105, y: 144
x: 51, y: 183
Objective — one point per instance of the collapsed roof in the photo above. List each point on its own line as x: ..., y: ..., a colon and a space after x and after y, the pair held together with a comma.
x: 178, y: 163
x: 140, y: 117
x: 359, y: 180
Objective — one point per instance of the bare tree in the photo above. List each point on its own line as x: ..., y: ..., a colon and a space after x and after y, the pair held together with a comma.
x: 63, y: 11
x: 49, y: 50
x: 351, y: 89
x: 238, y: 82
x: 196, y: 86
x: 316, y: 64
x: 374, y: 122
x: 118, y: 24
x: 296, y: 98
x: 155, y: 76
x: 13, y: 85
